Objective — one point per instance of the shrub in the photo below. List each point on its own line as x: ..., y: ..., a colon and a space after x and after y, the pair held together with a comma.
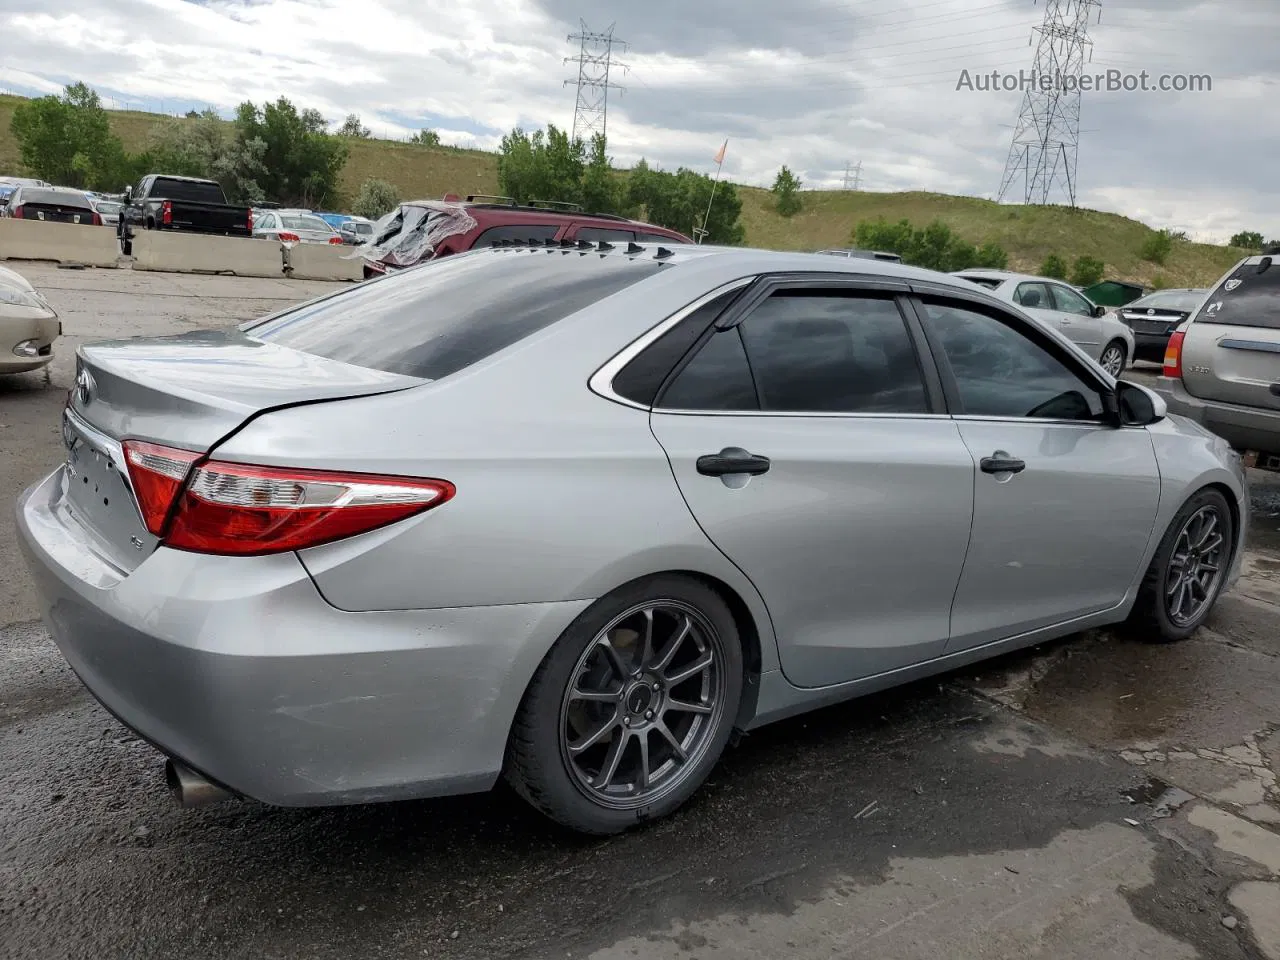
x: 1054, y: 266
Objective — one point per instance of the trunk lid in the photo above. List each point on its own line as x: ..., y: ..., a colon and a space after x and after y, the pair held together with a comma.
x: 1151, y: 319
x: 189, y: 391
x: 57, y: 213
x: 1231, y: 350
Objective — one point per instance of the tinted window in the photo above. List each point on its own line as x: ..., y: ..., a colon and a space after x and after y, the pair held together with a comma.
x: 658, y: 238
x: 434, y: 320
x: 61, y: 198
x: 816, y: 351
x: 1033, y: 295
x: 716, y: 378
x: 1247, y: 298
x: 193, y: 191
x: 1184, y: 300
x: 1068, y: 301
x: 596, y: 234
x: 989, y: 282
x: 641, y: 379
x: 1002, y: 373
x: 528, y: 231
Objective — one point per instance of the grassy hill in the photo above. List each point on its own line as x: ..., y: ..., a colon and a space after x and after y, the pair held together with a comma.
x: 1029, y: 234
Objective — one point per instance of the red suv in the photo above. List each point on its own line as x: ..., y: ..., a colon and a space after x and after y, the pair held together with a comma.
x: 426, y: 229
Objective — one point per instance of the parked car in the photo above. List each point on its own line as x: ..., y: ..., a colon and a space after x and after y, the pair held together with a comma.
x: 1222, y: 365
x: 1064, y: 309
x: 189, y: 204
x: 573, y: 515
x: 356, y: 230
x: 51, y: 204
x: 107, y: 209
x: 28, y: 325
x: 294, y: 226
x: 430, y: 229
x: 868, y: 254
x: 1154, y: 317
x: 24, y: 182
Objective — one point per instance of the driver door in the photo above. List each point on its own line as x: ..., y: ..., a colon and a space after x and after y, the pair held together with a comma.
x: 1064, y: 503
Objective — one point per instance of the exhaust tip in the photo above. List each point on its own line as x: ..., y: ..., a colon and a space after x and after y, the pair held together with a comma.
x: 190, y: 789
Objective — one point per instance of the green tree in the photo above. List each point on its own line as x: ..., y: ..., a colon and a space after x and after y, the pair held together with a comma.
x: 352, y: 127
x: 602, y: 190
x: 426, y: 138
x: 786, y: 193
x: 680, y: 201
x: 992, y: 256
x: 1087, y: 271
x: 207, y: 146
x: 880, y: 234
x: 298, y: 161
x: 67, y: 140
x: 1157, y: 247
x: 1249, y: 239
x: 545, y: 166
x: 1054, y: 266
x: 376, y: 198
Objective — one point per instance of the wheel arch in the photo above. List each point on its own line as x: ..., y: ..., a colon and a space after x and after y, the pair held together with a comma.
x: 748, y: 636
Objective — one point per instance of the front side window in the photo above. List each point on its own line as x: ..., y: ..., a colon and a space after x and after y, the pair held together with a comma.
x: 1001, y: 372
x: 1032, y: 295
x: 1068, y: 301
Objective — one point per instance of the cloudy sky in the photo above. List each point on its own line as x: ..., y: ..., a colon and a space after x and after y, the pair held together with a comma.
x: 814, y: 84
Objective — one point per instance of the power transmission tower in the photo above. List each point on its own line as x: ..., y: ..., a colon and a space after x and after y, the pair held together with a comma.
x: 594, y: 60
x: 1046, y: 140
x: 852, y: 176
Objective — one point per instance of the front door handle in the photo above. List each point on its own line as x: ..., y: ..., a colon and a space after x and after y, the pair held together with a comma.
x: 1001, y: 462
x: 724, y: 465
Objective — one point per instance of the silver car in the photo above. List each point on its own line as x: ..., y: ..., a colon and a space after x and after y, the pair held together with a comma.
x: 294, y: 226
x: 1222, y: 366
x: 573, y: 514
x: 1065, y: 309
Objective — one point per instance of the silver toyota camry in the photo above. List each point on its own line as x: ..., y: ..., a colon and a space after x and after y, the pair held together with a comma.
x: 573, y: 514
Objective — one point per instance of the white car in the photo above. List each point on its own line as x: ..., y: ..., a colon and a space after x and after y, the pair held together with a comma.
x: 1066, y: 310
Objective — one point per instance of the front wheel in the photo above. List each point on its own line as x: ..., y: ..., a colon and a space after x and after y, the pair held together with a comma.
x: 1113, y: 358
x: 1188, y: 570
x: 631, y: 708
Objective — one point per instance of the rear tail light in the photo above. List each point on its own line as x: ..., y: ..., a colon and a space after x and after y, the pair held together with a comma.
x: 286, y: 237
x: 17, y: 212
x: 97, y: 219
x: 251, y: 220
x: 236, y: 509
x: 166, y: 213
x: 157, y: 474
x: 336, y: 239
x: 1173, y: 355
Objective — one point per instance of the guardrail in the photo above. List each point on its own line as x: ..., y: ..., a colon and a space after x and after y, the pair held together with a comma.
x: 169, y: 251
x: 91, y: 246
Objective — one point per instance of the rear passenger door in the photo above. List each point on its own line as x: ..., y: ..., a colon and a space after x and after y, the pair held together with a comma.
x: 1231, y: 350
x: 806, y: 433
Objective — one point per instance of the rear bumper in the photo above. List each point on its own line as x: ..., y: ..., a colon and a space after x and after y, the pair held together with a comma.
x: 240, y: 669
x: 1150, y: 346
x: 1245, y: 428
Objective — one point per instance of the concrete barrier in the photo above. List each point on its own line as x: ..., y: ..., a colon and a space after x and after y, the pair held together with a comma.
x: 59, y: 242
x: 169, y: 251
x: 322, y: 261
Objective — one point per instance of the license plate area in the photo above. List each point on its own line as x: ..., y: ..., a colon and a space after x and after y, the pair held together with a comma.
x: 100, y: 497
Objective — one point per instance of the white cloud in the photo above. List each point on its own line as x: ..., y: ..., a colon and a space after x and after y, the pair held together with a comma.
x: 810, y: 83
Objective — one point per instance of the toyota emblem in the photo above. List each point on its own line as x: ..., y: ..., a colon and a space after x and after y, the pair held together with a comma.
x: 1151, y: 313
x: 84, y: 387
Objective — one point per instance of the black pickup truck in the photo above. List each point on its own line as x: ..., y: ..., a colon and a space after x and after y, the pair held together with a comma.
x: 161, y: 202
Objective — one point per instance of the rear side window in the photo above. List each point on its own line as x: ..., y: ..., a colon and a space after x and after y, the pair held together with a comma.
x: 193, y: 192
x: 1032, y: 295
x: 526, y: 232
x: 434, y: 320
x: 1247, y: 298
x: 658, y: 238
x: 596, y: 234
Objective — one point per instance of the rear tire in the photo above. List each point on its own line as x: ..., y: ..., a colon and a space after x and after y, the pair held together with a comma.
x: 1114, y: 358
x: 609, y: 734
x: 1170, y: 606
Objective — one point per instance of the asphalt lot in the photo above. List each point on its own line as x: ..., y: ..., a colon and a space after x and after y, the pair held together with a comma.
x: 1031, y: 806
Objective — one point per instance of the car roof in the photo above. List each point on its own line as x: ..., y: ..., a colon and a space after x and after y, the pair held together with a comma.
x: 492, y: 214
x: 1003, y: 275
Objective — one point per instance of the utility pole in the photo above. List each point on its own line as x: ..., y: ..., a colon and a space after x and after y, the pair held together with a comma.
x: 1046, y: 139
x: 594, y: 60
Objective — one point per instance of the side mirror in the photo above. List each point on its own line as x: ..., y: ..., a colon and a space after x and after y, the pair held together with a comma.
x: 1099, y: 311
x: 1137, y: 405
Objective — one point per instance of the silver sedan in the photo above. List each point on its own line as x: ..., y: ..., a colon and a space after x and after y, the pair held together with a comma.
x: 572, y: 515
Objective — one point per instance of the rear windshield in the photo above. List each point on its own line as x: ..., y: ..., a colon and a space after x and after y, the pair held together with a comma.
x: 305, y: 223
x: 1185, y: 300
x: 438, y: 318
x: 193, y: 191
x: 1247, y: 298
x: 62, y: 198
x: 989, y: 282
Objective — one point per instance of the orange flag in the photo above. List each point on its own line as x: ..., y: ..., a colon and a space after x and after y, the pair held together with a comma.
x: 720, y: 153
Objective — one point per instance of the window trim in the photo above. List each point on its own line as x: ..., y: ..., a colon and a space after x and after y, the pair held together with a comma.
x: 935, y: 397
x: 601, y: 382
x: 1022, y: 325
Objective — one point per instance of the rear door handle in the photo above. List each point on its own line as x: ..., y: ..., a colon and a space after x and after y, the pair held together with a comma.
x: 724, y: 465
x: 1001, y: 462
